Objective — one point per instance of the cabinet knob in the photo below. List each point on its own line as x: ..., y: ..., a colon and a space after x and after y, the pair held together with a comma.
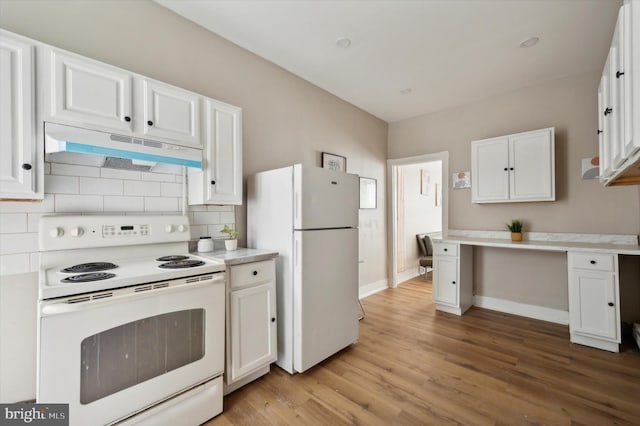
x: 610, y: 303
x: 619, y: 74
x: 150, y: 123
x: 26, y: 166
x: 505, y: 169
x: 607, y: 111
x: 273, y: 319
x: 255, y: 273
x: 127, y: 119
x: 599, y: 131
x: 446, y: 249
x: 510, y: 168
x: 593, y: 262
x: 453, y: 282
x: 213, y: 182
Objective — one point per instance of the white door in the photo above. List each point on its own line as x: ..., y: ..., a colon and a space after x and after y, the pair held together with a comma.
x: 88, y: 93
x: 325, y: 198
x: 223, y: 153
x: 171, y: 113
x: 253, y: 329
x: 445, y: 280
x: 592, y: 304
x: 531, y: 166
x: 325, y: 294
x: 18, y: 159
x: 490, y: 170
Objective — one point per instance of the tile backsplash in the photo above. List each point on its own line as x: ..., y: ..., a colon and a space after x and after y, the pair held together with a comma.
x: 75, y: 189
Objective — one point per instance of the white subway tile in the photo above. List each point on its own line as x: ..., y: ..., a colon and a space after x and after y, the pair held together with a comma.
x: 13, y: 223
x: 158, y: 177
x: 14, y: 264
x: 214, y: 231
x: 179, y: 178
x: 47, y: 168
x: 34, y: 262
x: 198, y: 231
x: 146, y: 189
x: 99, y: 186
x: 160, y: 204
x: 220, y: 208
x: 106, y: 172
x: 206, y: 218
x: 26, y: 242
x: 171, y: 189
x: 227, y: 217
x: 123, y: 204
x: 56, y: 184
x: 197, y: 208
x: 44, y: 206
x: 143, y: 213
x: 33, y: 221
x: 78, y: 203
x: 74, y: 170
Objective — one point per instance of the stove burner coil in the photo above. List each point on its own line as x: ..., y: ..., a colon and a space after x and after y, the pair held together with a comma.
x: 171, y: 258
x: 89, y: 267
x: 179, y: 264
x: 85, y: 278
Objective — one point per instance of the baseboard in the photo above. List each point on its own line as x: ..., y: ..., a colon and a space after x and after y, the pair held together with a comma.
x: 407, y: 275
x: 530, y: 311
x: 372, y: 288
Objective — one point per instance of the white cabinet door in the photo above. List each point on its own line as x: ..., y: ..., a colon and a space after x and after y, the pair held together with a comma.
x: 252, y: 316
x: 593, y: 303
x: 628, y: 75
x: 617, y: 95
x: 490, y: 170
x: 18, y: 153
x: 171, y: 113
x: 445, y: 280
x: 86, y: 92
x: 220, y: 181
x: 531, y: 166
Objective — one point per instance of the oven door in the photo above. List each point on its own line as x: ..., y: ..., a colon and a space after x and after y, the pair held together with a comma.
x: 111, y: 357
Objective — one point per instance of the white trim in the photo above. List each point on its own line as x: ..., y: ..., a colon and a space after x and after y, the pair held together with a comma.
x: 372, y: 288
x: 530, y: 311
x: 408, y: 274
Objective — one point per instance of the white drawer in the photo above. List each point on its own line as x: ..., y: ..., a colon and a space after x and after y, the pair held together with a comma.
x: 445, y: 249
x: 592, y: 261
x: 252, y: 273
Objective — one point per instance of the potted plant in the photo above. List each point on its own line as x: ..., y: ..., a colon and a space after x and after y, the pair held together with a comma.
x: 232, y: 242
x: 516, y: 229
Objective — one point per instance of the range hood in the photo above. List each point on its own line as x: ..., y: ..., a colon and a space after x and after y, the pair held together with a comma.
x: 74, y: 145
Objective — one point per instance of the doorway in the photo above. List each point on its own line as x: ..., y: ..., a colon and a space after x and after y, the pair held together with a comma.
x: 419, y: 200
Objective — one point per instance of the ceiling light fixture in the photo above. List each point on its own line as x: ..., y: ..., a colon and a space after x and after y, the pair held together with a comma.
x: 531, y: 41
x: 406, y: 91
x: 343, y: 42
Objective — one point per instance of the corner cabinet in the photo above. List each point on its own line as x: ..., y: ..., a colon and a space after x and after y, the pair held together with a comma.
x: 21, y: 160
x: 452, y: 277
x: 619, y: 102
x: 220, y: 181
x: 251, y: 322
x: 594, y: 300
x: 514, y: 168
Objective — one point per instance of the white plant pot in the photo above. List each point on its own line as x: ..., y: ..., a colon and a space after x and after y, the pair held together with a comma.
x: 230, y: 245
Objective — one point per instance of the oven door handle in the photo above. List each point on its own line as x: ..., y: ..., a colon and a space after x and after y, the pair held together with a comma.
x: 61, y: 307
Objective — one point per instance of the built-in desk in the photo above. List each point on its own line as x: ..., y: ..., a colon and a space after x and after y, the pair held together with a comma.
x: 592, y: 268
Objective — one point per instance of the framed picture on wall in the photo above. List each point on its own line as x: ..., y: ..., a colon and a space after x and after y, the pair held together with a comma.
x: 334, y: 162
x: 368, y: 193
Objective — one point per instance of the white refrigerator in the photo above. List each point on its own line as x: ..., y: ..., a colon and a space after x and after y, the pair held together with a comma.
x: 310, y: 216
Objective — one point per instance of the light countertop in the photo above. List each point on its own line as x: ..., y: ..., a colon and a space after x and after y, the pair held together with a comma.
x: 239, y: 256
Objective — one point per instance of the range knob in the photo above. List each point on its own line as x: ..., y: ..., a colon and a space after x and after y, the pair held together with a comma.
x: 56, y: 232
x: 76, y: 232
x: 169, y: 228
x: 182, y: 228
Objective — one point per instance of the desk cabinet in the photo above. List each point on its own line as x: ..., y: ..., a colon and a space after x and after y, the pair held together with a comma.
x: 452, y: 280
x: 594, y: 302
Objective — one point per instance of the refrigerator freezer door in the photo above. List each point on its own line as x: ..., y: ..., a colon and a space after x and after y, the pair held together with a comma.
x: 325, y: 294
x: 324, y: 198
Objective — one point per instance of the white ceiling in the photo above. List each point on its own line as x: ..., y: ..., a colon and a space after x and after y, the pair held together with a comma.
x: 449, y: 52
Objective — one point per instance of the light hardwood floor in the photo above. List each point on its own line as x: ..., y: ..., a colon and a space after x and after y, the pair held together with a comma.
x: 415, y: 366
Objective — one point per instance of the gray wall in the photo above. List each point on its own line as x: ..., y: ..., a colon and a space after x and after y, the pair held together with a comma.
x: 581, y: 206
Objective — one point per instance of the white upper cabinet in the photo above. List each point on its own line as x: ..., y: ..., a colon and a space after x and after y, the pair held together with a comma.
x: 221, y: 180
x: 619, y: 102
x: 19, y: 153
x: 171, y: 113
x: 86, y: 92
x: 514, y: 168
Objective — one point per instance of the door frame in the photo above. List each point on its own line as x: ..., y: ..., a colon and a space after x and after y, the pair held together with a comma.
x: 392, y: 193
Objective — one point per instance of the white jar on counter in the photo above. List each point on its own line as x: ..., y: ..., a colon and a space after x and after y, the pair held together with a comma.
x: 205, y: 244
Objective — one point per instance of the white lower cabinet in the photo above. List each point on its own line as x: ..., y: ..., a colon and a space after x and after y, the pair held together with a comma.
x: 452, y: 277
x: 594, y: 300
x: 251, y: 322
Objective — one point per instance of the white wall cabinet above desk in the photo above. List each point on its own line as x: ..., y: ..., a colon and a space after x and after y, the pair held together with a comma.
x: 514, y: 168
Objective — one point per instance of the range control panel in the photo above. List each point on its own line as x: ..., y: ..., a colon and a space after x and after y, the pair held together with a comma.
x: 73, y: 232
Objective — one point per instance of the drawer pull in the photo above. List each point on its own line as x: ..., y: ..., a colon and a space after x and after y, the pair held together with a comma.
x: 453, y: 282
x: 273, y: 319
x: 255, y: 273
x: 127, y: 119
x: 446, y: 249
x: 610, y: 303
x: 593, y: 262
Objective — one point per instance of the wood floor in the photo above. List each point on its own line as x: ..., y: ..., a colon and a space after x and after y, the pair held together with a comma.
x: 415, y: 366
